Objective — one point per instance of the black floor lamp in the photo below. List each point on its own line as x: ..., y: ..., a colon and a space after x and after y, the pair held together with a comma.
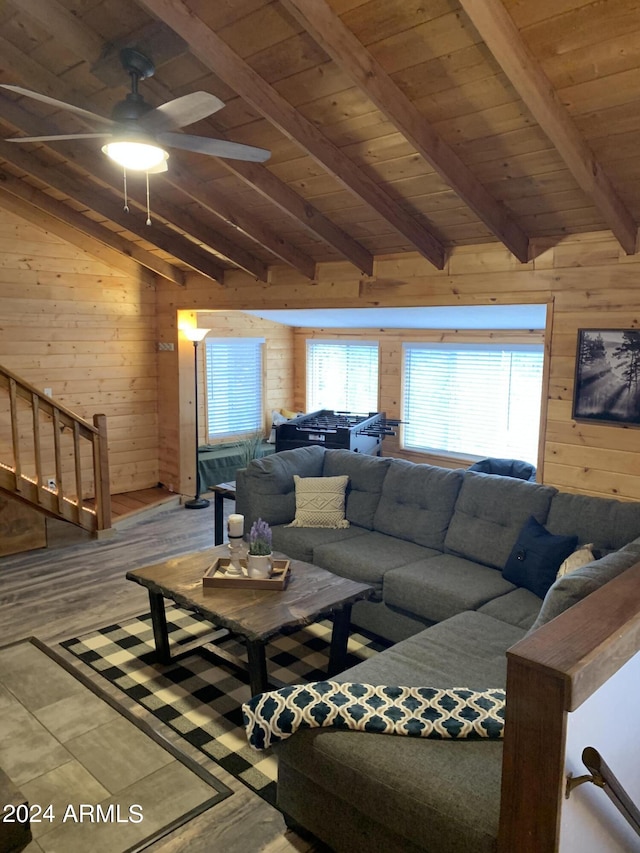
x: 196, y: 335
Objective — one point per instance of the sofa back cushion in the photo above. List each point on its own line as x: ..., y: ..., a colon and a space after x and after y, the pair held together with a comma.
x: 489, y: 514
x: 269, y: 483
x: 576, y: 585
x: 608, y: 524
x: 417, y: 502
x: 366, y: 475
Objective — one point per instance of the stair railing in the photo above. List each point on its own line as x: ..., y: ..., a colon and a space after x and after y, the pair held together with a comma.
x: 73, y: 479
x: 603, y: 776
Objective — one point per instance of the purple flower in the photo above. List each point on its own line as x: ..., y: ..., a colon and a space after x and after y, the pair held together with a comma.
x: 260, y: 538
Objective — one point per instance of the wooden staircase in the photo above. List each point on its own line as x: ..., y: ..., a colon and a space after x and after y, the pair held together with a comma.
x: 51, y: 459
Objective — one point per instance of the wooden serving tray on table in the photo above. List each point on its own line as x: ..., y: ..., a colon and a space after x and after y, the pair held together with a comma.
x: 215, y: 576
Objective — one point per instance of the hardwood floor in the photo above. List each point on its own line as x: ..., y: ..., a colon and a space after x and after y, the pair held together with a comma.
x: 130, y: 503
x: 56, y: 594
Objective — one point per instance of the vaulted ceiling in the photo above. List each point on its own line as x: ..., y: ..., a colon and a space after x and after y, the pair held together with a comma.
x: 394, y: 126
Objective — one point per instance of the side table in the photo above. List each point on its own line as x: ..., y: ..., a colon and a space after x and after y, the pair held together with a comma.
x: 220, y: 492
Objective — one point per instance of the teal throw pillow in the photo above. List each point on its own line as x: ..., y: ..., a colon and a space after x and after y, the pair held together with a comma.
x: 536, y: 557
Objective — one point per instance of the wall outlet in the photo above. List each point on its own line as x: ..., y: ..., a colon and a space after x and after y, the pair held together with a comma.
x: 51, y: 483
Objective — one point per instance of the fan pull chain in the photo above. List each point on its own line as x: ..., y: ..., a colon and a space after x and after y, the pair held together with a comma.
x: 148, y: 210
x: 126, y: 202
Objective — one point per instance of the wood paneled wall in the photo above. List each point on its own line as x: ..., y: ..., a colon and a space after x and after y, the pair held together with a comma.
x: 21, y: 528
x: 86, y: 330
x: 586, y: 280
x: 390, y: 343
x: 177, y: 423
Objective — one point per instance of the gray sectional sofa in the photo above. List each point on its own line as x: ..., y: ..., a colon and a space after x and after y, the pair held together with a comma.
x: 433, y: 543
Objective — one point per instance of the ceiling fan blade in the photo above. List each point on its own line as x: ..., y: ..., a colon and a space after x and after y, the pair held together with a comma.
x: 214, y: 147
x: 58, y: 136
x: 181, y: 112
x: 54, y: 103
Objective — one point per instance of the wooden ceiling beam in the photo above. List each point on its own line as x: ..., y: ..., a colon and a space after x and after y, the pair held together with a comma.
x: 216, y: 55
x: 186, y: 222
x: 503, y: 39
x: 303, y: 212
x: 46, y: 212
x: 221, y: 205
x: 326, y: 28
x: 88, y: 196
x: 271, y: 188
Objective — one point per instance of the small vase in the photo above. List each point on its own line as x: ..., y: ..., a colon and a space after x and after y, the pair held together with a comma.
x: 259, y: 565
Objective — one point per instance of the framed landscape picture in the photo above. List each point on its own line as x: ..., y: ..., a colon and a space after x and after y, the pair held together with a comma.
x: 607, y: 381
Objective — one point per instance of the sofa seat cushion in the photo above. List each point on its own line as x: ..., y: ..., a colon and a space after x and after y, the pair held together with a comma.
x: 519, y: 607
x: 417, y: 502
x: 368, y: 557
x: 489, y: 514
x: 366, y: 475
x: 441, y: 586
x: 467, y: 650
x: 391, y: 780
x: 300, y: 542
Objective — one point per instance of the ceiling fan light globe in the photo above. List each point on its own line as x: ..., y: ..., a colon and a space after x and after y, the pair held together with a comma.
x: 136, y: 156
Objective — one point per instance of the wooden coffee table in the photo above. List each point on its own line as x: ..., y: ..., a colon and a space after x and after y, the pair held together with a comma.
x: 253, y: 615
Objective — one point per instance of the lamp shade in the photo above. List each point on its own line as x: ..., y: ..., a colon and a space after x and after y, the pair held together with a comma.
x: 193, y: 333
x: 136, y: 156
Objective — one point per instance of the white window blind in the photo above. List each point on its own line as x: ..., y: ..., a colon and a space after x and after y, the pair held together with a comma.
x: 475, y: 399
x: 342, y: 376
x: 233, y: 386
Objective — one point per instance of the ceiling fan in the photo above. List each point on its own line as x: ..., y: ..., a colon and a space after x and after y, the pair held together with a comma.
x: 137, y: 134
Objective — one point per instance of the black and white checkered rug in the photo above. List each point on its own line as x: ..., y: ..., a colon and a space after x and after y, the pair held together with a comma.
x: 201, y: 699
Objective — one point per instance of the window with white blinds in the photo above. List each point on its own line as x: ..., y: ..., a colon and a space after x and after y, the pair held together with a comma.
x: 474, y: 399
x: 233, y: 368
x: 342, y: 376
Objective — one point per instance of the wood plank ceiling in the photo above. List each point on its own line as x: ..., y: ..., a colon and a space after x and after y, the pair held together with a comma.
x: 394, y: 126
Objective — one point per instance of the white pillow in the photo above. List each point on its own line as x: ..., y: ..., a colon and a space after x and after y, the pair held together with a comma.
x: 320, y: 501
x: 579, y: 558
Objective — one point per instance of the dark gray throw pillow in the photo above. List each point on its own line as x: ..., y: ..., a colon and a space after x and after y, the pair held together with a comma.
x: 536, y: 557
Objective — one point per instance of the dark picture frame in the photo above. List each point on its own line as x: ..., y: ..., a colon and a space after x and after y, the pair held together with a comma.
x: 607, y: 377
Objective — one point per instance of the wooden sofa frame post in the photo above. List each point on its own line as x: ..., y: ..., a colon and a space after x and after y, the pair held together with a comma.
x: 549, y: 674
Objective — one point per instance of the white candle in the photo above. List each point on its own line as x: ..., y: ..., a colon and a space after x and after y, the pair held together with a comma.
x: 236, y: 525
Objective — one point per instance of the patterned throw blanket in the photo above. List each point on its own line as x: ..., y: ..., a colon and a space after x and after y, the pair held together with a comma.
x: 414, y: 711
